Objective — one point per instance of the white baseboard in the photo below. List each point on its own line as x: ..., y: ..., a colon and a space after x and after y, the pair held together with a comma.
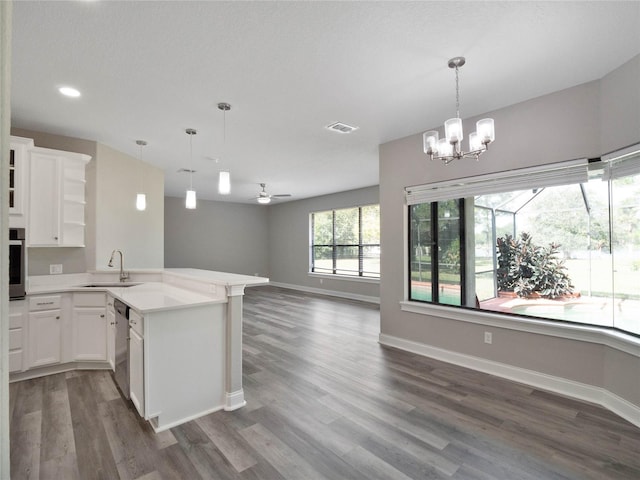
x: 563, y: 386
x: 57, y: 368
x: 332, y: 293
x: 234, y: 400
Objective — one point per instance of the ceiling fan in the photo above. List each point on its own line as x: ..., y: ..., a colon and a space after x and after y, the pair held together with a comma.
x: 264, y: 198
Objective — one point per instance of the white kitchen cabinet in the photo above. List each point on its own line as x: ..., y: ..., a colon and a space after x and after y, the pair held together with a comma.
x: 136, y: 370
x: 17, y: 340
x: 44, y: 337
x: 45, y: 330
x: 18, y: 169
x: 89, y: 327
x: 111, y: 333
x: 56, y: 198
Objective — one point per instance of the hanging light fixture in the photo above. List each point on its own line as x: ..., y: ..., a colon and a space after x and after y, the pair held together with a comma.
x: 141, y: 198
x: 190, y: 199
x: 449, y: 148
x: 224, y: 177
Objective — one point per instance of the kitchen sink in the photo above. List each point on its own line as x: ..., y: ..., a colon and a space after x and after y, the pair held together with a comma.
x: 110, y: 284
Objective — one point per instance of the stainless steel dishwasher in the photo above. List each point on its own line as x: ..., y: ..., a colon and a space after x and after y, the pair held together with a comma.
x: 121, y: 374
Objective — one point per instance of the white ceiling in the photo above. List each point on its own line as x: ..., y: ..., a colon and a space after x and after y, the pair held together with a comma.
x: 149, y: 70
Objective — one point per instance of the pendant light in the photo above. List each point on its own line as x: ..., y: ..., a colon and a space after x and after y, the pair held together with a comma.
x: 449, y: 148
x: 141, y: 198
x: 190, y: 199
x: 224, y: 177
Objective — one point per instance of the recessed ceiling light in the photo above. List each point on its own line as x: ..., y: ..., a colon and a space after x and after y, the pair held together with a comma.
x: 69, y: 92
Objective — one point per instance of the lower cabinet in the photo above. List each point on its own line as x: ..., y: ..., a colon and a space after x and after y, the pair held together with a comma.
x: 89, y: 324
x: 45, y: 332
x: 17, y: 340
x: 136, y: 370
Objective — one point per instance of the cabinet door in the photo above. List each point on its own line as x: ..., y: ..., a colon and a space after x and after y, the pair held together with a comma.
x: 18, y: 171
x: 44, y: 337
x: 111, y: 335
x: 44, y: 201
x: 89, y: 338
x: 136, y: 372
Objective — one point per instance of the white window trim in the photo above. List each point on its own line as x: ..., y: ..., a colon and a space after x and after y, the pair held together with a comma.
x: 616, y: 339
x: 337, y: 276
x: 350, y: 278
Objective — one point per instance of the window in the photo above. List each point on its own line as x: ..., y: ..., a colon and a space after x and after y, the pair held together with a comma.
x: 346, y: 241
x: 559, y: 242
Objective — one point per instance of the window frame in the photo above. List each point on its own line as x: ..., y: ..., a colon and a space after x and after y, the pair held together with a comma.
x: 422, y: 194
x: 336, y: 272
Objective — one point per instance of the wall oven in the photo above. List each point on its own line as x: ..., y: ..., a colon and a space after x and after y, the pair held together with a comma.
x: 17, y: 274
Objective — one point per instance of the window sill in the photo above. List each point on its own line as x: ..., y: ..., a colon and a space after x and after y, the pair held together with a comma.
x: 586, y: 333
x: 348, y: 278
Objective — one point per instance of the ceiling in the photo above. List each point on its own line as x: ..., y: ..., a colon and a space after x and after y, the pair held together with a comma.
x: 149, y: 70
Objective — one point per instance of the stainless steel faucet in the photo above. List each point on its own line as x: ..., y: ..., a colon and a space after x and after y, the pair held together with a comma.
x: 123, y: 275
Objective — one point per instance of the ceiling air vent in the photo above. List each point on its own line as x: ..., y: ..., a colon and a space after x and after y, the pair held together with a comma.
x: 341, y: 127
x: 186, y: 170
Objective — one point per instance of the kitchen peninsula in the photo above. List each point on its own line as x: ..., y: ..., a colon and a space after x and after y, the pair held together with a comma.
x: 185, y: 336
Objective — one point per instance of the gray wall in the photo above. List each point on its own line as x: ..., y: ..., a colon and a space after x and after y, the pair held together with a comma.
x: 226, y: 237
x: 560, y: 126
x: 118, y: 224
x: 289, y: 241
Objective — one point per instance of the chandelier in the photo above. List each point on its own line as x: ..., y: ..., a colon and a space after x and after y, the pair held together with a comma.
x: 449, y: 148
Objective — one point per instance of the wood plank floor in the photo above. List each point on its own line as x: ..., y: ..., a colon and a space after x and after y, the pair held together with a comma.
x: 325, y: 401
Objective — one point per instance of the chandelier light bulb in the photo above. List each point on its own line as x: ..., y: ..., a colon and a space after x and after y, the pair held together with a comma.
x: 430, y: 141
x: 486, y: 130
x: 453, y: 130
x: 474, y: 142
x: 264, y: 200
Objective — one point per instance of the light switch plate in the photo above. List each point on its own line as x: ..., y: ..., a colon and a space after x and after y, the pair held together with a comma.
x: 55, y: 269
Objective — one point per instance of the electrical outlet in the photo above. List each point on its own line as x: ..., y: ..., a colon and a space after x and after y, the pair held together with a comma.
x: 55, y: 269
x: 488, y: 337
x: 321, y: 281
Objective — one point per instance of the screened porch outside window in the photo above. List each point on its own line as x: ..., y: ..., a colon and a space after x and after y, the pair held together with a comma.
x: 560, y: 242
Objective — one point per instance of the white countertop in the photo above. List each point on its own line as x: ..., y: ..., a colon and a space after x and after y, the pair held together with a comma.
x: 167, y: 289
x: 156, y: 296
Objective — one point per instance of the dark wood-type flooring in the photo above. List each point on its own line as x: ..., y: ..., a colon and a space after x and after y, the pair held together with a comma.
x: 325, y: 401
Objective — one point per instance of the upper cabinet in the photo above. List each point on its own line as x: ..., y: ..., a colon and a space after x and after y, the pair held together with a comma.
x: 18, y: 173
x: 56, y: 198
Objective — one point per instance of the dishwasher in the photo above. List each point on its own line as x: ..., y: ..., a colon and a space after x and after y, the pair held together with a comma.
x: 121, y: 374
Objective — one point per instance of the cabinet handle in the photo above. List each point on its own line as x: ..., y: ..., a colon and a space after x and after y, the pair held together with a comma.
x: 58, y: 317
x: 102, y: 316
x: 55, y: 238
x: 112, y: 323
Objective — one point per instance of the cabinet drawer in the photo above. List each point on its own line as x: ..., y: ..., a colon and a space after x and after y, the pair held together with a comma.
x: 90, y: 299
x: 51, y: 302
x: 15, y: 361
x: 15, y: 338
x: 136, y: 322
